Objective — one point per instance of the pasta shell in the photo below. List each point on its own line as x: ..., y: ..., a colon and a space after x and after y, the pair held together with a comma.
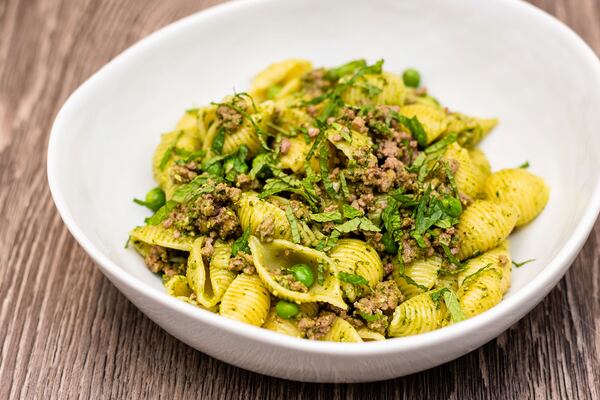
x: 433, y: 119
x: 246, y: 300
x: 418, y: 277
x: 160, y: 236
x: 483, y: 226
x: 277, y: 324
x: 280, y: 254
x: 521, y: 189
x: 279, y: 73
x: 342, y: 331
x: 420, y: 314
x: 384, y: 88
x: 468, y: 177
x: 357, y: 257
x: 209, y: 286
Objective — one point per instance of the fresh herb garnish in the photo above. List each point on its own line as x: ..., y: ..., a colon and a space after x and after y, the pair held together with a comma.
x: 218, y: 141
x: 451, y: 301
x: 162, y: 213
x: 350, y: 212
x: 169, y: 151
x: 289, y: 213
x: 524, y: 165
x: 333, y: 216
x: 241, y: 243
x: 353, y: 279
x: 520, y: 264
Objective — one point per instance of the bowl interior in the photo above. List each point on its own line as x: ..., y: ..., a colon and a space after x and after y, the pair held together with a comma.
x: 485, y: 60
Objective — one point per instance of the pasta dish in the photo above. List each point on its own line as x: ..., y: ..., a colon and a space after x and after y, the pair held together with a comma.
x: 341, y: 204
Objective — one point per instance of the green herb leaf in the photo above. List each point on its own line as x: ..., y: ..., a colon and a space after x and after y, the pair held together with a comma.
x: 344, y: 185
x: 524, y: 165
x: 453, y: 305
x: 241, y: 243
x: 369, y: 317
x: 320, y: 273
x: 168, y: 152
x: 442, y: 143
x: 412, y: 282
x: 218, y: 141
x: 289, y: 213
x: 520, y: 264
x: 333, y: 216
x: 201, y: 184
x: 414, y: 127
x: 260, y: 163
x: 350, y: 212
x: 235, y: 164
x: 323, y: 161
x: 353, y: 279
x: 162, y: 213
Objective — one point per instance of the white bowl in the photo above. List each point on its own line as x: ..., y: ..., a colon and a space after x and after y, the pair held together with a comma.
x: 495, y: 58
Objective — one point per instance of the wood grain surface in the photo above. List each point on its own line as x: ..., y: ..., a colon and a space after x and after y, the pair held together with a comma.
x: 66, y: 332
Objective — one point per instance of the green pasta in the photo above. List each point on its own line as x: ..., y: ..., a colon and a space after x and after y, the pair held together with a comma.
x: 339, y: 204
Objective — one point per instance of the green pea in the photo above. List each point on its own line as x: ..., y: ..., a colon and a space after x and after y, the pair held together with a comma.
x: 452, y: 206
x: 273, y: 91
x: 155, y: 199
x: 391, y: 247
x: 411, y: 77
x: 286, y: 309
x: 303, y: 274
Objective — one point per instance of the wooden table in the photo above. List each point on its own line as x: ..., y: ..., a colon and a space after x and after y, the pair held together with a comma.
x: 66, y: 332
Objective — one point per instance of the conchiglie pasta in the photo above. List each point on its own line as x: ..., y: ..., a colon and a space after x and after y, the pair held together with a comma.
x: 482, y: 166
x: 246, y: 134
x: 342, y: 331
x: 246, y: 300
x: 209, y: 286
x: 418, y: 315
x: 357, y: 257
x: 483, y: 226
x: 468, y: 177
x: 177, y: 286
x: 270, y: 259
x: 164, y: 156
x: 418, y: 277
x: 481, y: 292
x: 295, y: 158
x: 520, y: 188
x: 497, y: 259
x: 448, y: 281
x: 277, y: 324
x: 278, y: 74
x: 368, y: 335
x: 433, y: 119
x: 160, y: 236
x: 358, y: 143
x: 263, y: 219
x: 384, y: 88
x: 470, y: 130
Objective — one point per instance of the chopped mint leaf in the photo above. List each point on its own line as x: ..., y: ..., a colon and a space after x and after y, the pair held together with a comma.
x: 168, y: 152
x: 162, y: 213
x: 289, y: 213
x: 351, y: 212
x: 520, y: 264
x: 354, y: 279
x: 333, y: 216
x: 241, y: 243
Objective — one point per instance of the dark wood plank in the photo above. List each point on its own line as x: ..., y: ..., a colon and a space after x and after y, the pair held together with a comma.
x: 68, y: 333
